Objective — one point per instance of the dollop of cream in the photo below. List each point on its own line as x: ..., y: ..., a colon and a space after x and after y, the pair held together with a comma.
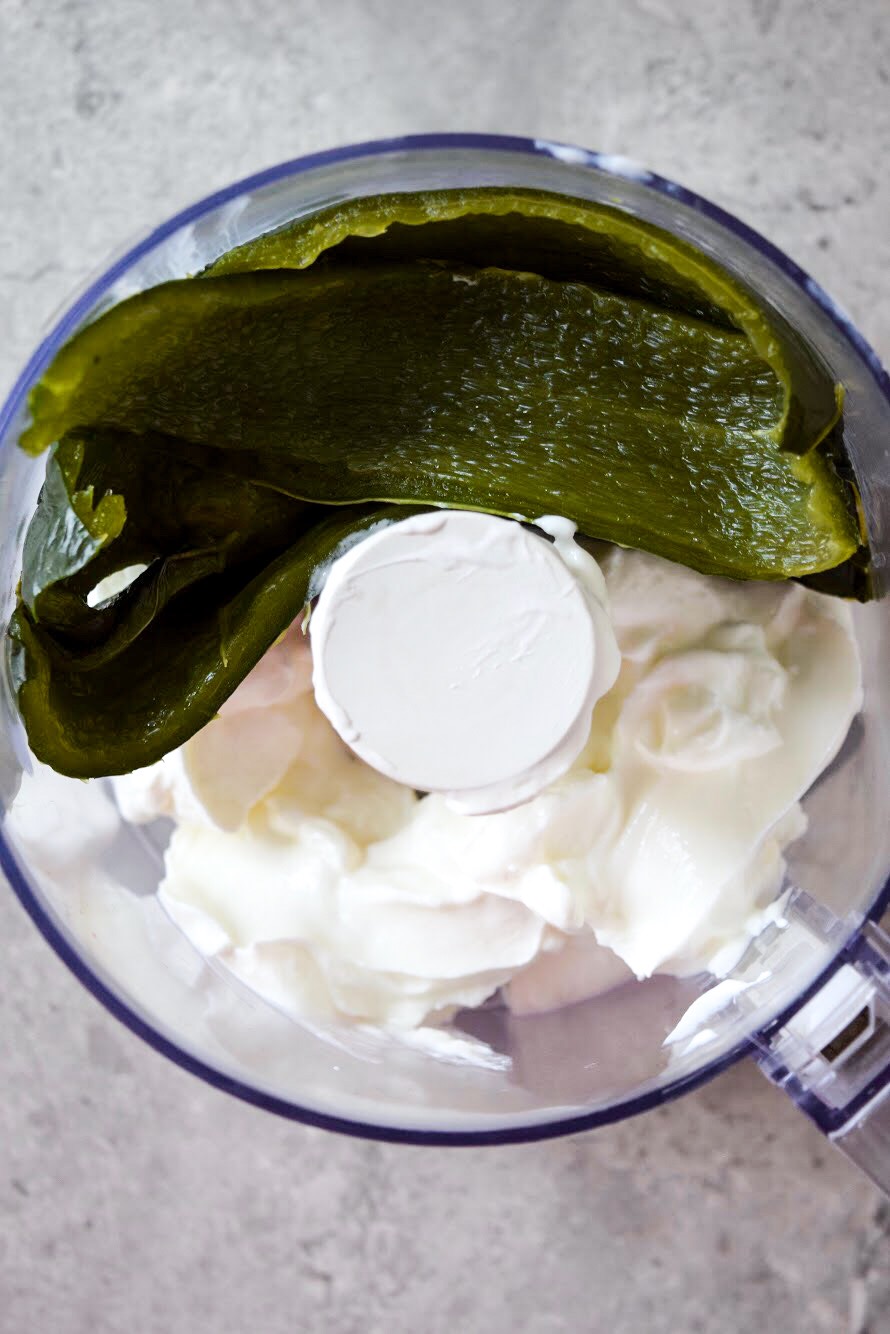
x: 334, y: 891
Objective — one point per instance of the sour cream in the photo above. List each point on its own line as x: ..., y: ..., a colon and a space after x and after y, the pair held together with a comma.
x: 334, y: 891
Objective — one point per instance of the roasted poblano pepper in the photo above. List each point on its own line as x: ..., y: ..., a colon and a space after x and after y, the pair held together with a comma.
x: 510, y: 351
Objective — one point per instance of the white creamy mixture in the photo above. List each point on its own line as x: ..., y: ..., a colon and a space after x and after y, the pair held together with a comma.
x: 332, y: 890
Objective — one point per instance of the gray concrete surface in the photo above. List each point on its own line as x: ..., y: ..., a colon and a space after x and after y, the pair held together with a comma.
x: 132, y: 1198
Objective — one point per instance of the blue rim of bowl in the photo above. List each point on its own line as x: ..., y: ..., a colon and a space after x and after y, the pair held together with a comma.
x: 604, y: 163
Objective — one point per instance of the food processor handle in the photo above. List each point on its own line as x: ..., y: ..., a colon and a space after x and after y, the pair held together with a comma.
x: 832, y: 1056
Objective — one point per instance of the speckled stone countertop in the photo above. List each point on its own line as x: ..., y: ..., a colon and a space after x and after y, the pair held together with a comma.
x: 133, y: 1199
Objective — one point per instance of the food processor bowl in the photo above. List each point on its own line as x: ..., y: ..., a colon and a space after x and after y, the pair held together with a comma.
x: 809, y: 998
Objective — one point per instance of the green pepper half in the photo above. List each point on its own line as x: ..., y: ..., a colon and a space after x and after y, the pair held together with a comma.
x: 481, y: 388
x: 88, y: 715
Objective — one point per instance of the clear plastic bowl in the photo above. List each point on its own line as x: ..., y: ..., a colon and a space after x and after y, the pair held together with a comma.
x: 88, y: 883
